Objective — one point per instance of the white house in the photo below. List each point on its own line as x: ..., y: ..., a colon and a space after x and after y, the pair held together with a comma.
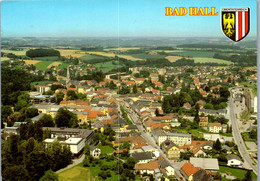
x: 214, y: 127
x: 170, y: 171
x: 95, y: 151
x: 233, y: 160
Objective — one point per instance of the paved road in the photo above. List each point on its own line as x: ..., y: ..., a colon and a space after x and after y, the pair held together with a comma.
x: 74, y: 163
x: 149, y: 139
x: 237, y: 136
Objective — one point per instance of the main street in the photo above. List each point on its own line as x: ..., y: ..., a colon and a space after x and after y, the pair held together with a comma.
x: 149, y: 139
x: 237, y: 135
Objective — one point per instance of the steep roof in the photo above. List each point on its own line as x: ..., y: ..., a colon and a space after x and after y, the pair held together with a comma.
x: 148, y: 166
x: 189, y: 169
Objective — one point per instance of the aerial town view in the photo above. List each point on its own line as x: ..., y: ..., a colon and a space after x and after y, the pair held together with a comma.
x: 90, y: 97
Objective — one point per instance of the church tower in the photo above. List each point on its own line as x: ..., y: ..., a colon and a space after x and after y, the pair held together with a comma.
x: 68, y: 77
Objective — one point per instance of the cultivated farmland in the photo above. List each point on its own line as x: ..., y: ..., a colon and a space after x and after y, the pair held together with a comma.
x: 211, y: 60
x: 55, y: 64
x: 173, y: 58
x: 31, y: 62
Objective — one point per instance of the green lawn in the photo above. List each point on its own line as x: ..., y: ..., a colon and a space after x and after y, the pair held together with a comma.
x: 106, y: 149
x: 43, y: 65
x: 75, y: 173
x: 211, y: 60
x: 238, y: 173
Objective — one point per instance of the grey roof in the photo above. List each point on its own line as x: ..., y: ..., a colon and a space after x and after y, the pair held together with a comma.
x: 232, y: 156
x: 143, y: 156
x: 167, y: 144
x: 36, y: 118
x: 205, y: 163
x: 92, y: 147
x: 179, y: 134
x: 201, y: 175
x: 164, y: 163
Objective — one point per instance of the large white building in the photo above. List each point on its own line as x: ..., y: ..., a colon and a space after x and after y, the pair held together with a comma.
x: 76, y: 145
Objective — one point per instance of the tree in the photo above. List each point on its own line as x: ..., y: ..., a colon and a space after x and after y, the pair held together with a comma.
x: 49, y: 176
x: 125, y: 145
x: 217, y: 145
x: 130, y: 163
x: 59, y: 97
x: 157, y: 112
x: 65, y: 118
x: 248, y: 176
x: 208, y: 106
x: 49, y: 92
x: 15, y: 172
x: 134, y: 89
x: 6, y: 111
x: 47, y: 121
x: 87, y: 149
x: 71, y: 95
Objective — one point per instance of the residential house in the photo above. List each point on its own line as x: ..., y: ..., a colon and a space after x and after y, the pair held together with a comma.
x: 143, y: 157
x: 203, y: 122
x: 95, y: 151
x: 214, y: 127
x: 233, y: 160
x: 171, y: 149
x: 148, y: 168
x: 188, y: 170
x: 202, y: 175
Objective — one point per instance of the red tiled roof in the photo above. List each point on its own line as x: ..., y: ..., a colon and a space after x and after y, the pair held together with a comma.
x: 189, y: 169
x: 148, y: 166
x: 215, y: 124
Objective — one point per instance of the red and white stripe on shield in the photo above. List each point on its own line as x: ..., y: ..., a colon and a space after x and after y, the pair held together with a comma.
x: 242, y: 24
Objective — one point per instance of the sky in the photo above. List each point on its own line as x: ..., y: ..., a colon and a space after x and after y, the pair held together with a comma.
x: 113, y: 18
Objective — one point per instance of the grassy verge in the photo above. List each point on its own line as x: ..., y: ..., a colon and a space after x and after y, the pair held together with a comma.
x: 238, y: 173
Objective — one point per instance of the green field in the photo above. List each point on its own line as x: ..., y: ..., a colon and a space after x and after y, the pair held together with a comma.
x: 18, y: 53
x: 75, y: 173
x: 54, y: 58
x: 92, y: 58
x: 238, y: 173
x: 107, y: 66
x: 147, y: 56
x: 43, y: 65
x: 211, y: 60
x: 208, y: 54
x: 63, y: 65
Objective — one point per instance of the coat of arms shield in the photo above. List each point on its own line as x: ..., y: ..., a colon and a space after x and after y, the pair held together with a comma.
x: 235, y: 22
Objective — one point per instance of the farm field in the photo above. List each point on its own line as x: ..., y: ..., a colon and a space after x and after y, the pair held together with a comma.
x: 73, y: 53
x: 18, y: 53
x: 147, y: 56
x: 173, y: 58
x: 211, y: 60
x: 43, y: 65
x: 106, y: 67
x: 75, y: 173
x: 125, y: 48
x: 63, y: 65
x: 4, y: 59
x: 31, y: 62
x: 129, y: 57
x: 55, y: 64
x: 87, y: 58
x: 106, y: 54
x: 208, y: 54
x: 238, y: 173
x: 54, y: 58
